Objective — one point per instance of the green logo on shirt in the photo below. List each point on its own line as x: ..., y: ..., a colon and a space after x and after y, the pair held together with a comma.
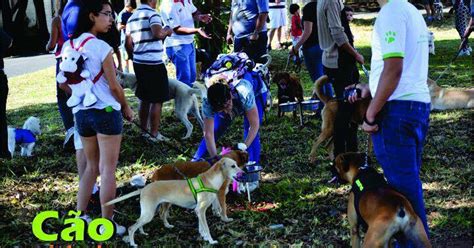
x: 390, y: 36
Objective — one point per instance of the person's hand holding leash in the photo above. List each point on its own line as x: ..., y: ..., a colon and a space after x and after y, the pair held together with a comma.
x: 127, y: 113
x: 253, y: 37
x: 293, y: 51
x: 365, y: 92
x: 359, y: 58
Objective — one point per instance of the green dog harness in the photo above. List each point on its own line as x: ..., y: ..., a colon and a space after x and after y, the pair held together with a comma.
x: 201, y: 188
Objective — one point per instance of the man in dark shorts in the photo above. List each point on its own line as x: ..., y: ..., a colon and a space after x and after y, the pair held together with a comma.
x: 5, y: 43
x: 429, y: 7
x: 122, y: 20
x: 145, y: 37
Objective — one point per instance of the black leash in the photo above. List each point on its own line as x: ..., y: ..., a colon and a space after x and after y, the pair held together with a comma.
x: 463, y: 42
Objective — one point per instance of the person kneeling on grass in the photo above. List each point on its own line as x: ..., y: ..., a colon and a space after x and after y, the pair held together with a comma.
x: 234, y: 92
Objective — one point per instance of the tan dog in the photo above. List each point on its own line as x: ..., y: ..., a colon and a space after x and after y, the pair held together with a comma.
x: 192, y: 169
x: 385, y: 211
x: 328, y: 115
x: 442, y: 99
x: 178, y: 192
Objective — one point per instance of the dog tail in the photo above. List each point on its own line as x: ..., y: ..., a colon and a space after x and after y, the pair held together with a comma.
x: 269, y: 59
x: 124, y: 197
x: 318, y: 88
x: 199, y: 89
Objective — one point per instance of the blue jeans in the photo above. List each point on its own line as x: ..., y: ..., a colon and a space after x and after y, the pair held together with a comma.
x: 313, y: 61
x: 65, y: 111
x: 255, y: 50
x: 398, y: 146
x: 222, y: 122
x: 184, y: 60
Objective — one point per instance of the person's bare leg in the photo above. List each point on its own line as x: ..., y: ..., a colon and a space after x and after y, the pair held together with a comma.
x: 109, y: 148
x: 272, y: 33
x: 90, y: 173
x: 81, y: 162
x: 143, y: 114
x: 428, y: 10
x: 279, y: 35
x: 155, y: 118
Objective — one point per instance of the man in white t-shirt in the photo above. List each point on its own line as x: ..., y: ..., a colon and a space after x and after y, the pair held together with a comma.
x: 398, y: 115
x: 180, y: 15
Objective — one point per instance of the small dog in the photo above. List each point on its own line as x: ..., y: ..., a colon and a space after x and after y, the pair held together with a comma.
x: 386, y: 212
x: 438, y: 10
x: 193, y: 169
x: 289, y: 89
x: 431, y: 43
x: 185, y: 99
x: 328, y: 115
x: 264, y: 71
x: 442, y: 99
x: 25, y: 137
x: 179, y: 192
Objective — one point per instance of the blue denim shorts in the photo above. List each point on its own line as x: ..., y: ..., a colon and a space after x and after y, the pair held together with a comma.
x: 90, y: 122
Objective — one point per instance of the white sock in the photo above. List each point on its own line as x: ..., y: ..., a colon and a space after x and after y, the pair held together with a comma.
x: 95, y: 189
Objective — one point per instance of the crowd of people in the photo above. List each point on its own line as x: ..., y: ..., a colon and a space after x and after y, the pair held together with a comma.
x: 397, y: 118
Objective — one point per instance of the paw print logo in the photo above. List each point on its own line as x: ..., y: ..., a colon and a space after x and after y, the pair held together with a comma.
x: 390, y: 36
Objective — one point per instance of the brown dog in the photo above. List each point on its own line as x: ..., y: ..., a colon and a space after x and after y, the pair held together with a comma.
x: 385, y: 211
x: 328, y: 115
x: 442, y: 99
x: 289, y: 89
x: 192, y: 169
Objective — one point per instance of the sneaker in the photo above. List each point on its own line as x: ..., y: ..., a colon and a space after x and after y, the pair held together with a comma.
x: 119, y: 230
x: 469, y: 49
x: 161, y: 137
x: 86, y: 218
x: 464, y: 52
x: 69, y: 134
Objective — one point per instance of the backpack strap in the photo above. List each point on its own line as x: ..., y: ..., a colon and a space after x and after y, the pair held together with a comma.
x: 83, y: 43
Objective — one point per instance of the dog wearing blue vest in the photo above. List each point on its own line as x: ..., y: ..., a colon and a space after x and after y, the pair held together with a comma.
x: 196, y: 193
x: 374, y: 205
x: 25, y: 137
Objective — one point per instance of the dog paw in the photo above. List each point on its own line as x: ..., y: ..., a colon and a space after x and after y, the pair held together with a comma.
x: 226, y: 219
x: 212, y: 242
x: 161, y: 137
x: 216, y: 210
x: 169, y: 226
x: 312, y: 158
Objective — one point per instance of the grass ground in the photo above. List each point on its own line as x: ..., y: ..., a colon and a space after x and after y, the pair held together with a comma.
x: 312, y: 211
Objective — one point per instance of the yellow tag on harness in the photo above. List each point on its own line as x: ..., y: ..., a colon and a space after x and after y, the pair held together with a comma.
x: 359, y: 184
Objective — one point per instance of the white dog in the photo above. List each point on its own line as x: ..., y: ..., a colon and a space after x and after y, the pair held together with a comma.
x: 264, y: 72
x: 196, y: 193
x: 185, y: 99
x: 25, y: 137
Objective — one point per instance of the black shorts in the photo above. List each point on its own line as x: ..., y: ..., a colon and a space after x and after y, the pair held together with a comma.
x: 427, y: 2
x: 152, y: 83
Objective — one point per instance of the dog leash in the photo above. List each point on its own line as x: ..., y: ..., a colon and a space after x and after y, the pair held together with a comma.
x: 287, y: 62
x: 452, y: 61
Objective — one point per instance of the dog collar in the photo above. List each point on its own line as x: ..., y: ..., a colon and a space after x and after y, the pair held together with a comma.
x: 201, y: 188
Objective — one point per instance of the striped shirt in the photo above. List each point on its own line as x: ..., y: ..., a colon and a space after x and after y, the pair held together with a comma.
x: 147, y: 49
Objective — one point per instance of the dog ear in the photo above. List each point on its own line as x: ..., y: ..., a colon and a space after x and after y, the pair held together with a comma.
x: 243, y: 157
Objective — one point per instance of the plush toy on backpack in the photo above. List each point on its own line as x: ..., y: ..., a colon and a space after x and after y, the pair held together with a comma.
x: 73, y: 73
